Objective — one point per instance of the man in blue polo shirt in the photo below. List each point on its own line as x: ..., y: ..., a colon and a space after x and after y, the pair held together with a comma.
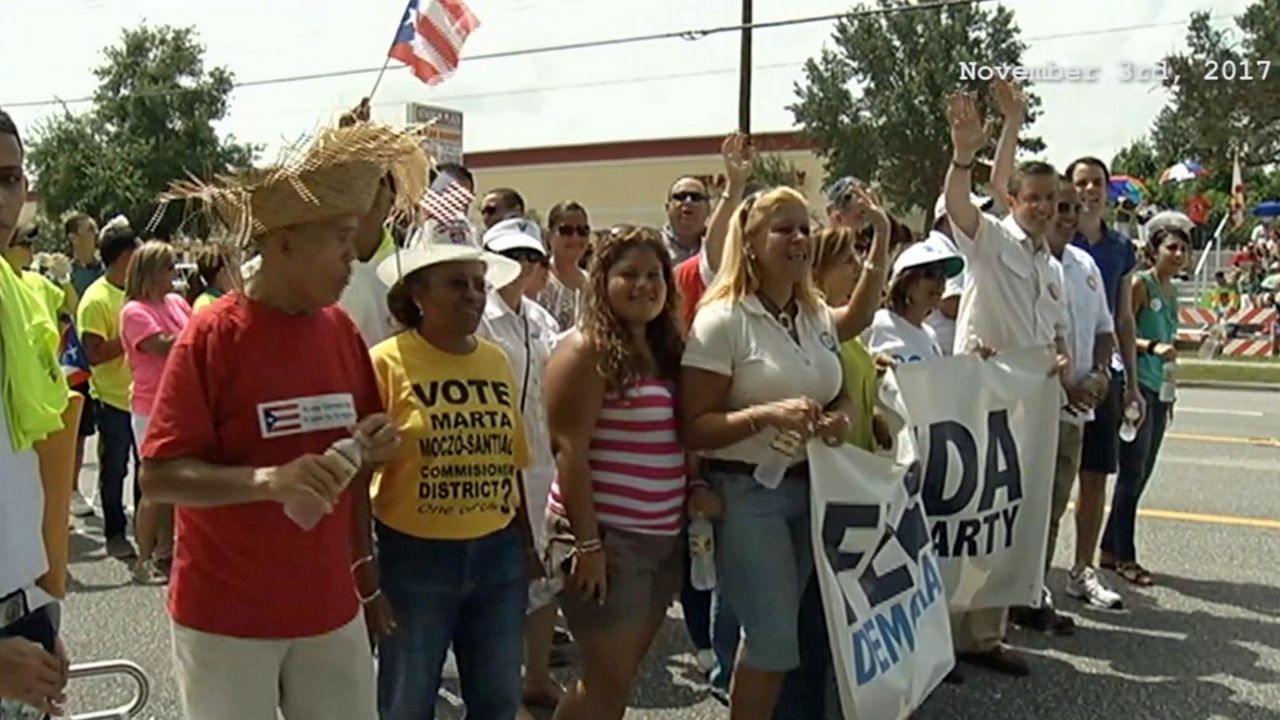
x: 1114, y: 254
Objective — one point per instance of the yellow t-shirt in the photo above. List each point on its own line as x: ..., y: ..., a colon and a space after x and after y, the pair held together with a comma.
x: 51, y: 296
x: 455, y: 477
x: 860, y: 383
x: 99, y: 313
x: 204, y: 300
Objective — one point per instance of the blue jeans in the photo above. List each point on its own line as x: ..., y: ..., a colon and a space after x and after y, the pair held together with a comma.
x: 470, y: 594
x: 1137, y: 460
x: 115, y: 446
x: 764, y: 561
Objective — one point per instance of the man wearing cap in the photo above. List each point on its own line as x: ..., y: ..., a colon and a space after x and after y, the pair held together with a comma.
x: 1114, y: 255
x: 265, y: 610
x: 526, y: 332
x: 1014, y: 298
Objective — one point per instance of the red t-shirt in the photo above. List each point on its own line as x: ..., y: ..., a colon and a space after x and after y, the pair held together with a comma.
x: 691, y: 285
x: 247, y: 385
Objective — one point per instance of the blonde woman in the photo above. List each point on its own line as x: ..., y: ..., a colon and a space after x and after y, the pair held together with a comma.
x: 761, y: 374
x: 152, y: 319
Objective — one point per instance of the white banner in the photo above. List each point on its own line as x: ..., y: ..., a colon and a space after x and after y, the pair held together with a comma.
x: 987, y: 432
x: 882, y: 590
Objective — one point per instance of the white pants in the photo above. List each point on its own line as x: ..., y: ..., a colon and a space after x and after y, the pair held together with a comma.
x: 328, y: 677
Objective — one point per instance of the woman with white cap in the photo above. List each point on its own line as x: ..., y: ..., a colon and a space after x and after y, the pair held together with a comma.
x: 526, y: 332
x: 453, y: 548
x: 919, y: 279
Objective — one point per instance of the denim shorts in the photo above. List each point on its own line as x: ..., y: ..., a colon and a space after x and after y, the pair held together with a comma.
x: 763, y: 558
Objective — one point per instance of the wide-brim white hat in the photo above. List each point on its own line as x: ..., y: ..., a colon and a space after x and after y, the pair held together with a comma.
x: 499, y: 271
x: 935, y: 249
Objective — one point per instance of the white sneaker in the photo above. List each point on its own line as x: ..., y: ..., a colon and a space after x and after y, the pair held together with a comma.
x: 1087, y: 587
x: 79, y: 506
x: 706, y: 661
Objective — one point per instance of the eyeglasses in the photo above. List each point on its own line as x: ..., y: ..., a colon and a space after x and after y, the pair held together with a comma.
x: 579, y: 230
x: 523, y: 255
x: 693, y: 197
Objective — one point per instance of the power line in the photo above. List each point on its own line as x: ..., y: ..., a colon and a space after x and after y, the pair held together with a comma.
x: 688, y: 35
x: 691, y: 35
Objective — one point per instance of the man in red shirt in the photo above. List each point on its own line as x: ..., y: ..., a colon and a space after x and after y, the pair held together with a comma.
x: 265, y: 613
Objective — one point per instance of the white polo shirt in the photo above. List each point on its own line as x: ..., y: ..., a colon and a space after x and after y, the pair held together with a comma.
x: 743, y: 341
x: 527, y: 337
x: 1014, y: 295
x: 892, y: 335
x: 22, y: 554
x: 365, y: 300
x: 1088, y: 314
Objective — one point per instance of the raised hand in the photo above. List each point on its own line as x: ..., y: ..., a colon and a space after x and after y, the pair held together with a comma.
x: 738, y: 158
x: 969, y: 133
x: 866, y: 208
x: 1009, y: 98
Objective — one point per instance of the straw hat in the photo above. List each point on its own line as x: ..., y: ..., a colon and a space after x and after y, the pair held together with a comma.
x: 337, y: 174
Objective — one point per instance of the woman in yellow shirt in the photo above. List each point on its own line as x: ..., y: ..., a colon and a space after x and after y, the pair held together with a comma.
x: 454, y: 552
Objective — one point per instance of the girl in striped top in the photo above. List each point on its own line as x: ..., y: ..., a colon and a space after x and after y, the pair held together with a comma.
x: 616, y: 508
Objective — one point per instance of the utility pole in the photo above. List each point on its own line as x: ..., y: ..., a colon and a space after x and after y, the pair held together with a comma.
x: 744, y: 71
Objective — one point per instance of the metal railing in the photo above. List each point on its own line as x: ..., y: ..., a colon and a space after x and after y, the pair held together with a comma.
x: 110, y: 668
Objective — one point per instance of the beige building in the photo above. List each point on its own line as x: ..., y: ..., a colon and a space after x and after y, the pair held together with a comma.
x: 627, y: 181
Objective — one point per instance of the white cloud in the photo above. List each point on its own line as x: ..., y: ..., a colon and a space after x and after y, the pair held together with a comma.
x: 575, y: 96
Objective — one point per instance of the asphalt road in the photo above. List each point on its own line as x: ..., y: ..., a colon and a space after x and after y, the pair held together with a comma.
x: 1203, y: 644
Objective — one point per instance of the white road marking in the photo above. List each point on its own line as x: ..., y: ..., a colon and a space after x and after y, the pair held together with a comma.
x: 1217, y: 411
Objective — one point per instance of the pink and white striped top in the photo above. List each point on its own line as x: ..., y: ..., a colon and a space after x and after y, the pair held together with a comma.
x: 637, y: 463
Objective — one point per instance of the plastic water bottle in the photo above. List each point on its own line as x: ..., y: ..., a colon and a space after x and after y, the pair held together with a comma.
x: 1169, y: 388
x: 702, y: 554
x: 1129, y: 427
x: 307, y: 512
x: 542, y: 591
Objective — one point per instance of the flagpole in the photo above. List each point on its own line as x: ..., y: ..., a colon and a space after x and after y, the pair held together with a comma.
x: 378, y: 81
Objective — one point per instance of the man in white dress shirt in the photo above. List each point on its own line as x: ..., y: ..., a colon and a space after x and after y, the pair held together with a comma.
x: 1014, y: 298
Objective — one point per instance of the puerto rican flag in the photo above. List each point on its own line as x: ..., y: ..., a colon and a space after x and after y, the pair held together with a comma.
x: 430, y: 37
x: 72, y: 358
x: 281, y: 418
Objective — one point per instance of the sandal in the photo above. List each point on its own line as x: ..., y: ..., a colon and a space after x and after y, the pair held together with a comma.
x: 1136, y: 574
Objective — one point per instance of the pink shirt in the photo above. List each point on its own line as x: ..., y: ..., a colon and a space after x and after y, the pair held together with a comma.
x: 140, y: 320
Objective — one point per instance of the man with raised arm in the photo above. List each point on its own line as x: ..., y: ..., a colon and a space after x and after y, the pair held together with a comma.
x: 1014, y: 296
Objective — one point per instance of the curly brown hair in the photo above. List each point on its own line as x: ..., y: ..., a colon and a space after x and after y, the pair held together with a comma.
x: 617, y: 362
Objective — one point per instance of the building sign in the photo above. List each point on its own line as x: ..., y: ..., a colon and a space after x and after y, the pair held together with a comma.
x: 443, y: 134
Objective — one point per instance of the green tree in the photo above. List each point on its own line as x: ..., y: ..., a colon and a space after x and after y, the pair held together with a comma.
x: 1139, y: 160
x: 874, y: 102
x: 151, y: 123
x: 773, y: 170
x: 1223, y: 98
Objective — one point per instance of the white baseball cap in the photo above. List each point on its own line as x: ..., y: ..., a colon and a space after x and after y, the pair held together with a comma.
x: 927, y: 252
x: 499, y: 271
x: 514, y: 234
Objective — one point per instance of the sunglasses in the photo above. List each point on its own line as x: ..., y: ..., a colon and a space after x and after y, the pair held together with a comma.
x: 1064, y: 208
x: 693, y: 197
x: 579, y: 230
x: 933, y: 272
x: 488, y: 210
x: 523, y: 255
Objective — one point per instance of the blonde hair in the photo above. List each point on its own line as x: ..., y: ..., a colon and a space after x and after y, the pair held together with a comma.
x: 149, y: 260
x: 739, y: 274
x: 831, y: 247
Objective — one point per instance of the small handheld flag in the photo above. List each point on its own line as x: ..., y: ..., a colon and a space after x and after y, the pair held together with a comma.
x: 430, y: 37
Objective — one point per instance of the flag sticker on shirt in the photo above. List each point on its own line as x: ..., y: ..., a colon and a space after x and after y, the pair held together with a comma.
x: 282, y: 418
